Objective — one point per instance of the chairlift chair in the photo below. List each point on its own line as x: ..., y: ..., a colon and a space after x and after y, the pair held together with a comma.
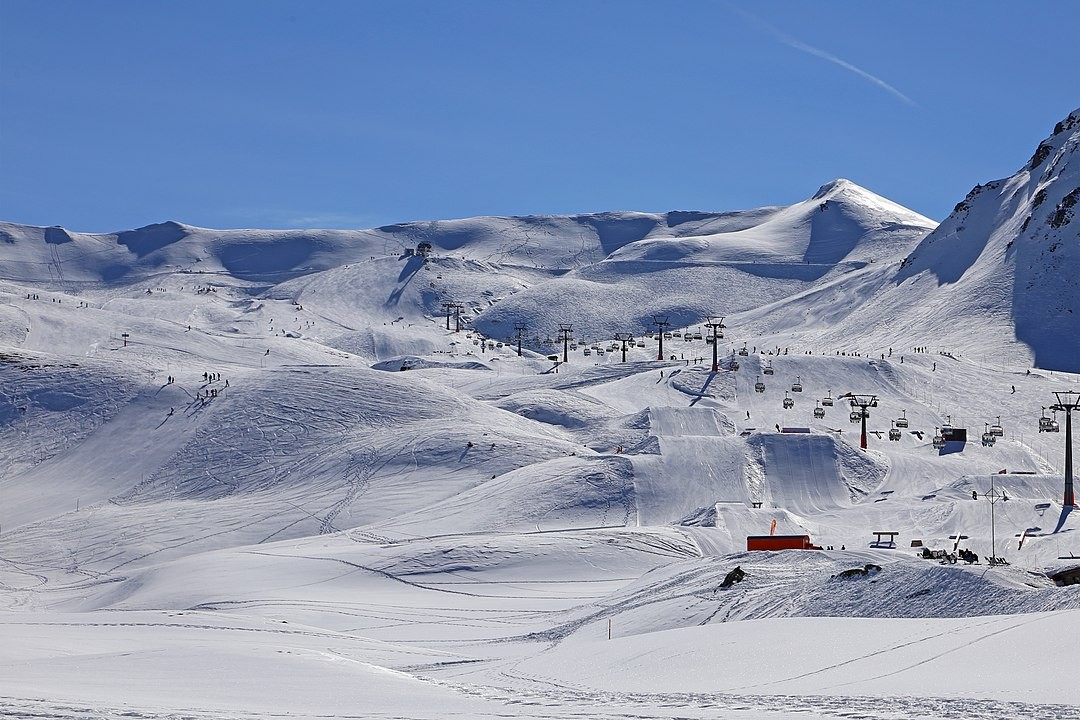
x: 855, y: 416
x: 797, y: 385
x: 788, y: 402
x: 586, y: 351
x: 827, y: 401
x: 819, y: 412
x: 894, y: 433
x: 1047, y: 424
x: 768, y: 369
x: 697, y: 336
x: 939, y: 441
x: 677, y: 333
x: 902, y: 421
x: 734, y: 365
x: 988, y: 439
x: 996, y: 430
x: 743, y: 351
x: 759, y: 386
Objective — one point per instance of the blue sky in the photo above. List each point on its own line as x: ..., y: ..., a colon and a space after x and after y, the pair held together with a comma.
x: 229, y: 113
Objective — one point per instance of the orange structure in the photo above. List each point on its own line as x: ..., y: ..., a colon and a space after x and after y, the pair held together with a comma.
x: 779, y: 542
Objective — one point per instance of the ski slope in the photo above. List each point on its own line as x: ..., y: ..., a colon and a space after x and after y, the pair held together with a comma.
x: 256, y: 473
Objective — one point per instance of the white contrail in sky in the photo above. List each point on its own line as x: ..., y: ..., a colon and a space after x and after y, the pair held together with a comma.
x: 816, y: 52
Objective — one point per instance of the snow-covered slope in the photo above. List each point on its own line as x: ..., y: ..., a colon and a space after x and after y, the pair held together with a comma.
x: 238, y: 457
x: 998, y: 276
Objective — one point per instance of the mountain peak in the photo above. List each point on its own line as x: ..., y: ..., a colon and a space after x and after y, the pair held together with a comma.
x: 835, y: 186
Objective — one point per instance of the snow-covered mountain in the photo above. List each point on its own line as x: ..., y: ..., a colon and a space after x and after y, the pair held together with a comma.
x: 604, y: 273
x: 998, y: 276
x: 214, y: 473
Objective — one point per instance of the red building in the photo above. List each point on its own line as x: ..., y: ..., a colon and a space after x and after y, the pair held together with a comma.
x: 779, y: 542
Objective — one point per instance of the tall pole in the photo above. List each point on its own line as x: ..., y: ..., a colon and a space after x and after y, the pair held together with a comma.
x: 448, y: 306
x: 1067, y: 402
x: 458, y: 307
x: 717, y: 326
x: 993, y: 496
x: 623, y: 338
x: 661, y: 323
x: 862, y: 438
x: 863, y: 402
x: 519, y: 329
x: 1069, y: 498
x: 564, y: 330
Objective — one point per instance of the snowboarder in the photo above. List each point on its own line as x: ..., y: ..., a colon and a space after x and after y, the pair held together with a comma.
x: 1013, y: 389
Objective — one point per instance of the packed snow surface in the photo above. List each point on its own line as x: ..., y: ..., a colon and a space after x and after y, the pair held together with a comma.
x: 308, y: 474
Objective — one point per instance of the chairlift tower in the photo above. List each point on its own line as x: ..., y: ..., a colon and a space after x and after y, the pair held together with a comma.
x: 993, y: 496
x: 717, y: 326
x: 1067, y: 402
x: 863, y: 402
x: 519, y: 330
x: 564, y: 335
x: 661, y: 323
x: 448, y: 306
x: 458, y: 307
x: 624, y: 338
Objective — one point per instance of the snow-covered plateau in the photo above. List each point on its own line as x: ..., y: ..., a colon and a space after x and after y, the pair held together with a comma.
x: 308, y: 474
